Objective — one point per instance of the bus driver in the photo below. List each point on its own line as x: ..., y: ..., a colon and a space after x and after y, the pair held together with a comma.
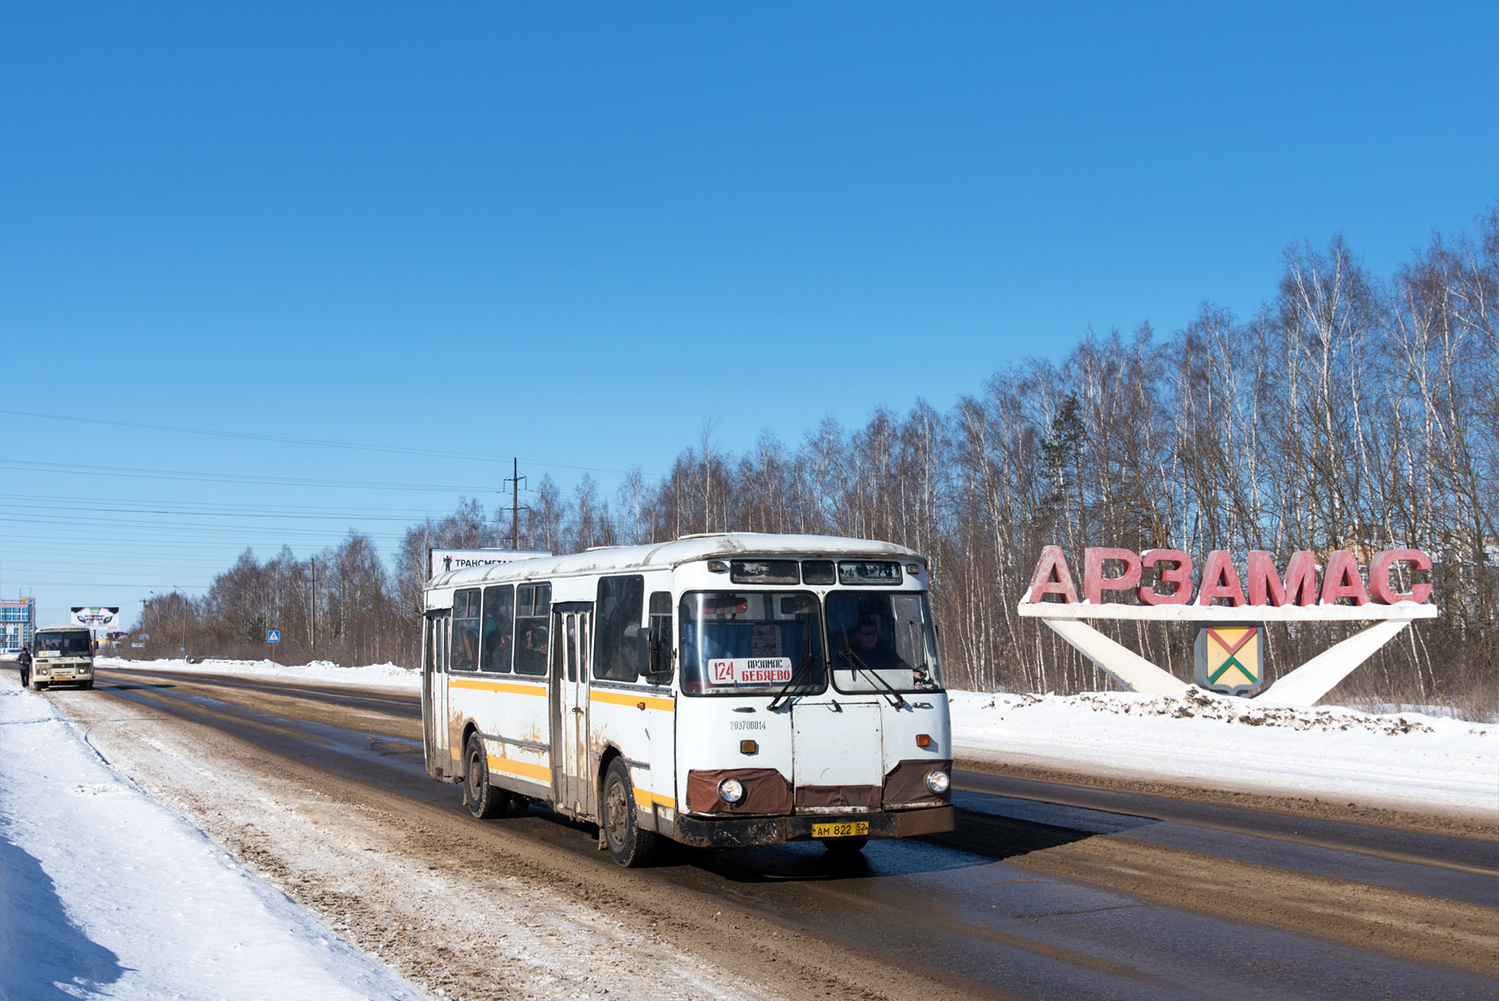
x: 863, y: 649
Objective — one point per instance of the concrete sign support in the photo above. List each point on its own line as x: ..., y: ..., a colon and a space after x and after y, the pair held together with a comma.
x: 1123, y: 664
x: 1230, y: 634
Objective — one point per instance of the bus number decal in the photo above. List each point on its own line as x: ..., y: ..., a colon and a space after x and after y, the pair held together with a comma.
x: 746, y: 724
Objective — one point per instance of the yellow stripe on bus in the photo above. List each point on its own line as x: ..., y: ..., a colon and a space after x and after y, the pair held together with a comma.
x: 541, y: 773
x: 645, y: 799
x: 496, y: 686
x: 626, y: 699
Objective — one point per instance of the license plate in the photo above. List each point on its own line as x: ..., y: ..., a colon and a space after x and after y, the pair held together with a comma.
x: 856, y: 828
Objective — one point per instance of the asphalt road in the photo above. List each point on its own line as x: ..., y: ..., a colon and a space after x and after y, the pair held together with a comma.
x: 1044, y: 891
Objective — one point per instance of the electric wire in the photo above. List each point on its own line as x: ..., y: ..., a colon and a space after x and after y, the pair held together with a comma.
x: 315, y: 442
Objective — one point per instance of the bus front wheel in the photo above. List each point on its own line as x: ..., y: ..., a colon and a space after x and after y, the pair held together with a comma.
x: 628, y: 844
x: 483, y: 800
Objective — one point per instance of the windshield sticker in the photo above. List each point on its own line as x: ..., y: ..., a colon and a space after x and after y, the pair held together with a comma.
x: 765, y: 640
x: 750, y: 671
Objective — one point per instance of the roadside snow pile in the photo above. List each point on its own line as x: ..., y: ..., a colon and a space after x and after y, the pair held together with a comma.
x: 107, y: 893
x: 371, y: 675
x: 1404, y: 761
x: 1198, y: 704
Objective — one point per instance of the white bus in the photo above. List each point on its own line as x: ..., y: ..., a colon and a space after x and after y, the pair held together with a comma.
x: 63, y: 653
x: 719, y: 690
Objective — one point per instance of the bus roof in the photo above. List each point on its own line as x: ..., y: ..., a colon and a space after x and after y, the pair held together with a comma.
x: 673, y: 554
x: 65, y: 626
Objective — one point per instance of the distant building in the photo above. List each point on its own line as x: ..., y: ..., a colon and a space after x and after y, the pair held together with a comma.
x: 17, y: 622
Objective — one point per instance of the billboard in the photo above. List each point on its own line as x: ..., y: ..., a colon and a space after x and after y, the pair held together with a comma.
x: 443, y: 560
x: 95, y: 617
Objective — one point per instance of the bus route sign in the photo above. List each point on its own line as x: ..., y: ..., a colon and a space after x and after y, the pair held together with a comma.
x: 750, y: 671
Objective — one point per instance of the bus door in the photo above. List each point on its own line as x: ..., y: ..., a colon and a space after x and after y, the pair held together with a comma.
x: 572, y: 778
x: 435, y: 693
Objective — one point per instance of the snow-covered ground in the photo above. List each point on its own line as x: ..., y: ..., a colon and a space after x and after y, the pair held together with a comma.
x: 1406, y: 761
x: 370, y: 676
x: 105, y: 892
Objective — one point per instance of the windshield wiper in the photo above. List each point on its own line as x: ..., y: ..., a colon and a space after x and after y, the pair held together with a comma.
x: 785, y: 688
x: 855, y: 663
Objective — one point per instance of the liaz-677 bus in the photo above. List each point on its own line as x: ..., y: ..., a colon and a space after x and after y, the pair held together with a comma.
x: 719, y: 690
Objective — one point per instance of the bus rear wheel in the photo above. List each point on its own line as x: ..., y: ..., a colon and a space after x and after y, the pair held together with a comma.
x: 628, y: 844
x: 483, y: 800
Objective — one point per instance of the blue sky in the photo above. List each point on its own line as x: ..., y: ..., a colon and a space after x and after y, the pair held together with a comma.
x: 578, y: 233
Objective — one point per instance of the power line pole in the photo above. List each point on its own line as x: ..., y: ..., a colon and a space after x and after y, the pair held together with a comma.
x: 312, y: 606
x: 515, y: 508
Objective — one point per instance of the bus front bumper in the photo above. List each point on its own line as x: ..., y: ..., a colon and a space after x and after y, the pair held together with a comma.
x: 53, y: 670
x: 740, y: 832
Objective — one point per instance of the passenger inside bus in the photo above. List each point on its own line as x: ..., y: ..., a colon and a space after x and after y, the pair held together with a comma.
x: 496, y: 650
x: 499, y: 609
x: 531, y: 655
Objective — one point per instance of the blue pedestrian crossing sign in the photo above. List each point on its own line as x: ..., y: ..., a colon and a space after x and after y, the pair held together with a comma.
x: 273, y: 636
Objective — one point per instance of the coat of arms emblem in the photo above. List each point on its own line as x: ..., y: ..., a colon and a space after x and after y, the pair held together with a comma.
x: 1228, y: 658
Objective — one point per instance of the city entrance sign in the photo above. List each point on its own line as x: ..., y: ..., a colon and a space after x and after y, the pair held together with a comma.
x: 1160, y: 582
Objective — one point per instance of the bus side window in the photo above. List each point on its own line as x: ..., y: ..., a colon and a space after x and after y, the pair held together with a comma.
x: 533, y: 606
x: 465, y: 630
x: 660, y: 638
x: 499, y: 612
x: 571, y: 648
x: 619, y: 648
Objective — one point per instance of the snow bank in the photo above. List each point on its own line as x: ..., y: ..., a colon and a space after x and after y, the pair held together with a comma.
x: 107, y: 893
x: 1408, y: 761
x: 369, y: 676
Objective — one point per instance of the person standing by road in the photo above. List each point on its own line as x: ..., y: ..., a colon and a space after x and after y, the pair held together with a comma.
x: 25, y: 666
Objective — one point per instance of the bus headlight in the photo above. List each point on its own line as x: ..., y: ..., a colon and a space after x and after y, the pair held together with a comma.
x: 731, y: 790
x: 937, y: 781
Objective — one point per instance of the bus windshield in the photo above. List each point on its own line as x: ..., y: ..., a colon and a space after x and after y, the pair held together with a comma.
x: 71, y: 644
x: 883, y: 642
x: 751, y: 643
